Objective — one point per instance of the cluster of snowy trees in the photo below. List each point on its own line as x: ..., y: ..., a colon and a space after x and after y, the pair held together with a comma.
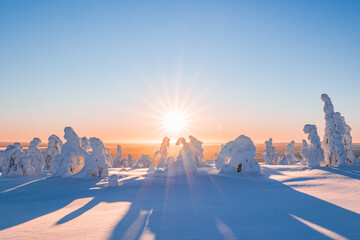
x: 334, y: 150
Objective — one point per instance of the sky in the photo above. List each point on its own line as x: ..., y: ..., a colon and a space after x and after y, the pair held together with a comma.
x: 115, y: 69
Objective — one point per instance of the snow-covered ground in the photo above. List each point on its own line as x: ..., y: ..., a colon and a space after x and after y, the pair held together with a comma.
x: 286, y: 202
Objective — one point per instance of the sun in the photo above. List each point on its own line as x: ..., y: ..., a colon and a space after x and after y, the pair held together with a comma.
x: 175, y: 122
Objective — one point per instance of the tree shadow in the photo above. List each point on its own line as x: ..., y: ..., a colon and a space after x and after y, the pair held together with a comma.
x: 207, y: 206
x: 347, y: 171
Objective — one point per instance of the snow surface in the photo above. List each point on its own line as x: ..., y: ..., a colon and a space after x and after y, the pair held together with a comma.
x: 285, y: 202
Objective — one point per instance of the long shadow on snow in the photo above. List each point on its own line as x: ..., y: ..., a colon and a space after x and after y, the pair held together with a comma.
x: 215, y: 207
x: 347, y: 171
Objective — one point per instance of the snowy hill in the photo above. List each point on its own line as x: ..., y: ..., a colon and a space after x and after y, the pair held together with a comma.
x: 285, y: 202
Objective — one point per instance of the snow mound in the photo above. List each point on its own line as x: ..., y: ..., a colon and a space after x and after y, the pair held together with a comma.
x: 113, y: 181
x: 240, y: 154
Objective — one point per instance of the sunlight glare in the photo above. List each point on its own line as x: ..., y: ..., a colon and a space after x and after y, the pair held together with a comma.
x: 175, y: 122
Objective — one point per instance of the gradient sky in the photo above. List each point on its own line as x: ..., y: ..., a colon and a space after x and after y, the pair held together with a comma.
x: 240, y: 67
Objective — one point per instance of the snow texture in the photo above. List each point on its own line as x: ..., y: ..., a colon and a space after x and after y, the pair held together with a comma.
x: 85, y: 144
x: 270, y: 154
x: 313, y: 154
x: 333, y: 143
x: 34, y: 157
x: 95, y: 162
x: 53, y: 149
x: 113, y: 181
x: 347, y: 140
x: 240, y: 151
x: 289, y: 157
x: 13, y: 161
x: 71, y: 159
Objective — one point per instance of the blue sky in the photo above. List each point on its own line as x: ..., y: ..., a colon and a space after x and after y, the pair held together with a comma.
x: 247, y: 67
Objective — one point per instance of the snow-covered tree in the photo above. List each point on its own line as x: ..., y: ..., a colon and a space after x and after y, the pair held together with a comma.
x: 289, y: 157
x: 35, y: 156
x: 312, y: 154
x: 95, y: 162
x: 108, y: 157
x: 144, y: 161
x: 162, y: 153
x: 118, y: 161
x: 53, y: 149
x: 333, y: 143
x: 185, y: 164
x: 238, y: 156
x: 2, y: 160
x: 71, y: 158
x: 196, y: 146
x: 270, y: 154
x: 347, y: 140
x: 12, y: 162
x: 85, y: 144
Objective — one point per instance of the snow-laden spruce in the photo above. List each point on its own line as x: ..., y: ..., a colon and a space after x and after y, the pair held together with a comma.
x: 53, y: 149
x: 12, y: 162
x: 313, y: 154
x: 34, y: 157
x: 347, y: 140
x: 95, y: 162
x: 144, y: 161
x: 289, y: 157
x: 162, y: 153
x: 71, y: 158
x: 196, y: 146
x: 238, y: 156
x: 270, y: 154
x: 333, y: 143
x: 119, y: 161
x: 185, y: 164
x: 109, y: 159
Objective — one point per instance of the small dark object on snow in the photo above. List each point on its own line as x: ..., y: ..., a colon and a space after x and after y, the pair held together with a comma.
x: 239, y: 167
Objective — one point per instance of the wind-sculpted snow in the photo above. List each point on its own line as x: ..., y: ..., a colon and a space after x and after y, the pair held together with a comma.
x: 196, y: 146
x: 35, y: 156
x: 95, y: 162
x: 185, y: 164
x: 238, y: 156
x: 270, y: 154
x: 54, y: 148
x: 162, y: 153
x: 335, y: 153
x: 85, y: 144
x: 289, y: 157
x: 312, y: 154
x: 71, y: 159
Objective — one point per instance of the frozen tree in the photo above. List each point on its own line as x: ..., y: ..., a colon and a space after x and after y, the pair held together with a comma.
x: 196, y: 146
x: 144, y: 162
x: 312, y: 154
x: 270, y: 154
x: 163, y: 159
x: 347, y: 140
x: 2, y: 160
x: 53, y: 149
x: 289, y: 157
x: 238, y: 156
x: 185, y: 164
x: 333, y: 143
x: 108, y: 157
x: 71, y: 158
x: 13, y: 156
x: 35, y: 156
x: 85, y: 144
x: 95, y: 162
x: 117, y: 163
x: 130, y: 161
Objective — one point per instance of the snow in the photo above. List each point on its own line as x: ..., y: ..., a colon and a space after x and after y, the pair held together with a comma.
x: 289, y: 157
x: 239, y: 153
x: 313, y: 154
x: 163, y: 160
x: 53, y: 149
x: 284, y: 202
x: 333, y: 142
x: 196, y: 146
x: 71, y: 159
x: 270, y: 154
